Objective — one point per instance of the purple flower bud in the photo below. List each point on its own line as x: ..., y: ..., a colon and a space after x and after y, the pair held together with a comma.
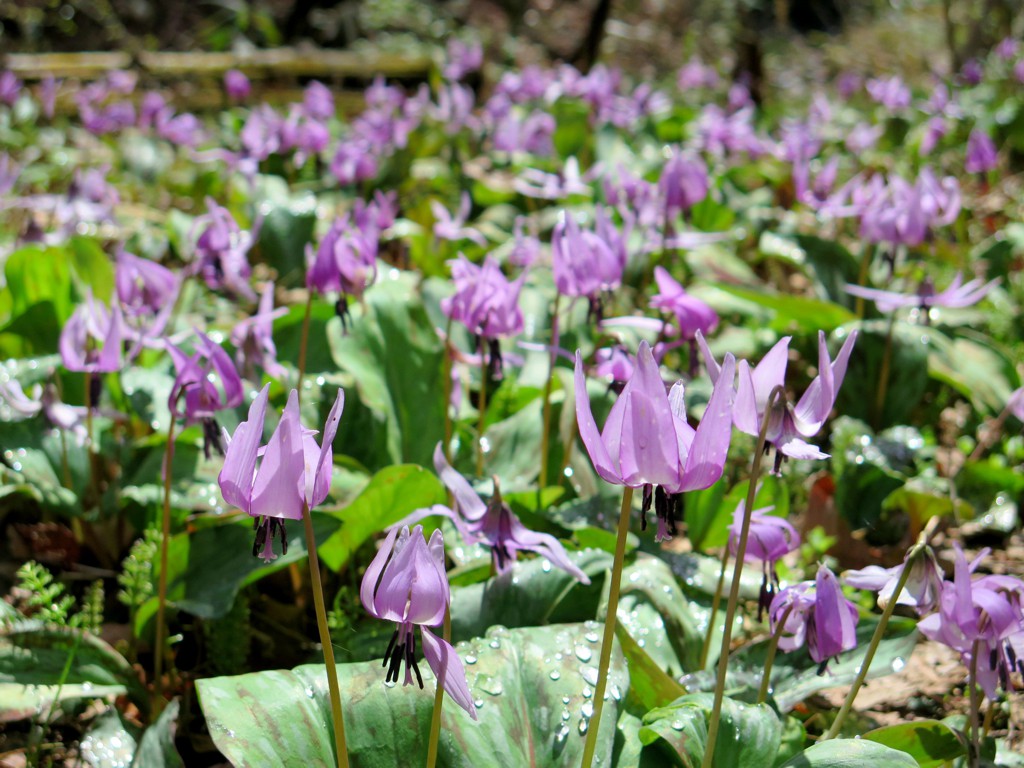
x: 10, y: 87
x: 206, y: 380
x: 819, y: 618
x: 92, y: 338
x: 982, y: 155
x: 692, y: 314
x: 684, y: 183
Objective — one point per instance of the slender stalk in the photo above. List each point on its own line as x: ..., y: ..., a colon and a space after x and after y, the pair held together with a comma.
x: 974, y: 755
x: 774, y: 399
x: 325, y: 640
x: 610, y: 620
x: 865, y: 665
x: 990, y: 714
x: 435, y: 718
x: 89, y: 447
x: 867, y: 253
x: 303, y: 343
x: 481, y: 418
x: 989, y: 437
x: 773, y: 647
x: 715, y: 603
x: 883, y: 375
x: 545, y: 437
x: 161, y: 605
x: 447, y: 391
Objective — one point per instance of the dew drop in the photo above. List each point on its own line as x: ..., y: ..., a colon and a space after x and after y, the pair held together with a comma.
x: 566, y: 714
x: 309, y: 691
x: 677, y: 725
x: 545, y: 565
x: 584, y: 724
x: 565, y: 699
x: 587, y: 709
x: 898, y: 664
x: 491, y: 685
x: 554, y: 674
x: 562, y: 733
x: 478, y: 703
x: 587, y: 692
x: 589, y: 674
x: 591, y: 637
x: 583, y: 653
x: 470, y: 659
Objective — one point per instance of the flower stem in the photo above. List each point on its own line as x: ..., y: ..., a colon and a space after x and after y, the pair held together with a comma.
x: 974, y: 756
x: 303, y: 344
x: 483, y: 414
x: 865, y: 665
x: 544, y: 436
x: 775, y: 398
x: 883, y: 375
x: 435, y: 718
x: 715, y: 602
x: 340, y: 749
x: 610, y: 620
x: 773, y: 646
x: 161, y: 603
x: 448, y: 392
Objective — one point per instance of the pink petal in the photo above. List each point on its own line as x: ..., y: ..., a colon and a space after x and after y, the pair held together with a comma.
x: 447, y: 668
x: 322, y: 484
x: 710, y: 445
x: 236, y: 478
x: 469, y: 504
x: 280, y: 486
x: 588, y: 428
x: 368, y: 587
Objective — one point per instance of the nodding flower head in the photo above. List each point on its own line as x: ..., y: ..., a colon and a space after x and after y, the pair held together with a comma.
x: 406, y: 583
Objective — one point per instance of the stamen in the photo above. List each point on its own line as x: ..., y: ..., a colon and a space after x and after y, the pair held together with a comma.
x: 645, y: 506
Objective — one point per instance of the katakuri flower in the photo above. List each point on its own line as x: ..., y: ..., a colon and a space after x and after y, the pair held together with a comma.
x: 208, y: 382
x: 492, y: 524
x: 647, y: 442
x: 279, y: 481
x: 788, y: 424
x: 815, y: 615
x: 588, y: 263
x: 921, y: 591
x: 253, y: 339
x: 237, y: 85
x: 770, y: 538
x: 958, y: 294
x: 985, y: 615
x: 406, y: 583
x: 221, y: 251
x: 92, y: 338
x: 982, y: 155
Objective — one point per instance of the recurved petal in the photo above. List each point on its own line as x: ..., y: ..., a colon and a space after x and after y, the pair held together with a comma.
x: 710, y: 445
x: 770, y: 372
x: 648, y: 452
x: 236, y: 478
x: 448, y: 670
x: 324, y: 462
x: 368, y: 587
x: 592, y: 439
x: 469, y: 504
x: 745, y: 414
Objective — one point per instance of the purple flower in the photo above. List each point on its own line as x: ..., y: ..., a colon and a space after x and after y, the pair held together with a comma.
x: 454, y: 108
x: 261, y: 134
x: 971, y: 72
x: 253, y: 338
x: 92, y: 338
x: 281, y: 480
x: 9, y: 173
x: 683, y: 183
x: 462, y: 59
x: 787, y: 424
x: 208, y: 382
x: 892, y: 93
x: 935, y: 130
x: 692, y: 314
x: 770, y: 538
x: 221, y: 251
x: 615, y: 365
x: 354, y: 161
x: 406, y: 583
x: 147, y: 292
x: 318, y: 101
x: 346, y: 259
x: 695, y: 74
x: 588, y: 263
x: 921, y: 591
x: 237, y: 85
x: 526, y: 248
x: 485, y: 301
x: 10, y: 87
x: 532, y: 133
x: 819, y: 618
x: 957, y: 294
x: 987, y: 612
x: 533, y: 182
x: 982, y: 156
x: 448, y: 227
x: 492, y: 524
x: 1006, y: 49
x: 647, y: 442
x: 48, y: 95
x: 1015, y: 403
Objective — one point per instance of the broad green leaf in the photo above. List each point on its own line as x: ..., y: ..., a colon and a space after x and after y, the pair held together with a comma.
x: 794, y: 313
x: 748, y: 734
x: 930, y: 742
x: 533, y: 697
x: 285, y: 231
x: 109, y: 742
x: 850, y: 753
x: 649, y: 684
x: 156, y: 747
x: 92, y: 269
x: 391, y: 494
x: 395, y: 358
x: 36, y: 659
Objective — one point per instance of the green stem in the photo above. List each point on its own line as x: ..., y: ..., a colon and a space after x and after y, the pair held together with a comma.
x: 610, y: 620
x: 773, y: 647
x: 448, y: 392
x: 483, y: 415
x: 883, y: 375
x: 867, y: 252
x: 435, y: 718
x: 161, y: 604
x: 973, y: 759
x: 865, y: 665
x: 303, y: 343
x: 715, y: 603
x: 325, y: 640
x: 545, y: 437
x: 775, y: 398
